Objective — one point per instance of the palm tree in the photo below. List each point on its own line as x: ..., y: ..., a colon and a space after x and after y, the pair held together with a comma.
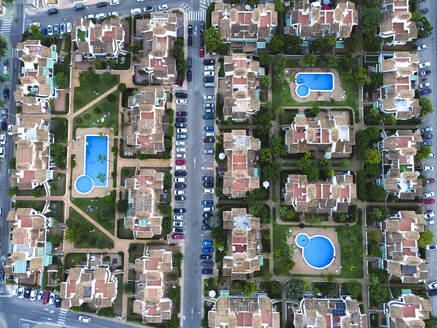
x: 74, y: 233
x: 102, y: 158
x: 101, y: 177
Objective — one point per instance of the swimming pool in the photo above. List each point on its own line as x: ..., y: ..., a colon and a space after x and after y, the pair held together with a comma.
x: 318, y: 251
x: 96, y: 155
x: 307, y: 82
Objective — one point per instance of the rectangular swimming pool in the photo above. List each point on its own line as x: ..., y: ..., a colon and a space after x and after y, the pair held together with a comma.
x: 96, y: 159
x: 316, y: 81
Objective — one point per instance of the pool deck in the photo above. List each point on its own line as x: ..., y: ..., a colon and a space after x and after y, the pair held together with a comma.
x: 337, y: 94
x: 79, y: 169
x: 301, y: 267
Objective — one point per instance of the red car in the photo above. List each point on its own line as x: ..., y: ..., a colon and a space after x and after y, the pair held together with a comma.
x: 177, y: 235
x: 429, y: 201
x: 45, y: 297
x: 202, y: 52
x: 430, y: 180
x: 180, y: 162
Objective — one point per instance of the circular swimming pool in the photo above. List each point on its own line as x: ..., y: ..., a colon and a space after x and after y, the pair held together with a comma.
x: 302, y: 90
x: 318, y: 251
x: 84, y: 184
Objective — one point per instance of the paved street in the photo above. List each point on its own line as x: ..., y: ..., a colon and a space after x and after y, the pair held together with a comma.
x: 431, y: 120
x: 21, y: 313
x: 197, y: 166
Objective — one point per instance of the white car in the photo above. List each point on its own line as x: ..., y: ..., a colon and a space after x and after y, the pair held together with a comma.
x: 428, y: 168
x: 429, y: 215
x: 20, y: 292
x: 90, y: 16
x: 178, y: 149
x: 49, y: 30
x: 180, y: 167
x: 181, y: 143
x: 114, y: 2
x: 209, y: 134
x: 52, y: 298
x: 208, y: 209
x: 69, y: 27
x: 208, y: 190
x: 135, y: 11
x: 421, y: 47
x: 208, y: 97
x: 2, y: 152
x: 2, y: 139
x: 431, y: 247
x: 429, y: 194
x: 35, y: 23
x: 181, y: 130
x: 163, y: 7
x: 425, y: 64
x: 432, y: 285
x: 180, y: 192
x: 209, y: 68
x: 179, y: 180
x: 141, y: 0
x: 424, y: 85
x: 181, y: 155
x: 84, y: 318
x: 178, y: 223
x: 428, y: 222
x: 115, y: 13
x: 178, y: 217
x: 33, y: 295
x: 101, y: 16
x: 208, y: 73
x: 181, y: 101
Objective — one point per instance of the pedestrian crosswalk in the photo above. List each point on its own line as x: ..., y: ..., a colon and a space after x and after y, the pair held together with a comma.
x: 61, y: 317
x: 196, y: 15
x: 205, y: 3
x: 186, y: 7
x: 6, y: 25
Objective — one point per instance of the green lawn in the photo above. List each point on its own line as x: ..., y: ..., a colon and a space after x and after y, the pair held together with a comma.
x: 351, y: 241
x: 94, y: 116
x: 100, y: 209
x: 282, y: 255
x: 57, y: 211
x: 135, y: 251
x: 90, y: 235
x: 35, y: 204
x: 92, y: 85
x: 281, y: 91
x: 57, y: 186
x: 122, y: 232
x: 73, y: 259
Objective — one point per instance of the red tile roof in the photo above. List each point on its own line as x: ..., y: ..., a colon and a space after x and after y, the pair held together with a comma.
x: 409, y: 310
x: 147, y: 115
x: 101, y: 288
x: 240, y: 184
x: 152, y: 263
x: 71, y: 288
x: 244, y: 319
x: 265, y: 20
x: 26, y: 221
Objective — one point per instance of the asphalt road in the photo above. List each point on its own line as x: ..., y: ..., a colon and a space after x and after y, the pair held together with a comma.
x: 21, y: 313
x: 431, y: 120
x: 198, y: 165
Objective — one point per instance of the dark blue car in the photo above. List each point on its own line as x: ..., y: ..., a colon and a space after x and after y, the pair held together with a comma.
x: 207, y: 250
x: 425, y: 92
x: 207, y: 202
x: 208, y: 117
x: 208, y: 128
x: 206, y: 271
x: 207, y: 264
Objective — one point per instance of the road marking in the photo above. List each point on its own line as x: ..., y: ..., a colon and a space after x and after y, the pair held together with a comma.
x: 196, y: 15
x: 194, y: 162
x: 6, y: 25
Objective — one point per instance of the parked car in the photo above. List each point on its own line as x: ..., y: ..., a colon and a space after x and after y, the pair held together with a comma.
x: 424, y: 10
x: 208, y: 79
x: 56, y: 29
x: 201, y: 40
x: 180, y: 198
x: 428, y: 194
x: 208, y: 106
x: 208, y: 178
x: 27, y: 292
x: 181, y: 119
x: 180, y: 125
x: 181, y: 167
x: 180, y: 173
x: 209, y: 67
x: 101, y: 16
x: 426, y: 129
x: 207, y: 202
x: 201, y: 51
x: 425, y: 64
x: 208, y: 73
x: 178, y: 217
x: 52, y: 11
x: 209, y: 97
x: 207, y: 215
x: 177, y: 236
x: 205, y: 257
x: 178, y: 223
x: 428, y: 168
x: 57, y: 301
x: 180, y: 185
x: 209, y: 85
x: 190, y: 29
x: 182, y: 130
x: 427, y: 143
x: 207, y: 151
x: 432, y: 285
x: 114, y: 2
x: 429, y: 201
x: 181, y: 113
x: 208, y: 128
x: 208, y: 184
x: 207, y: 271
x: 181, y: 143
x: 202, y: 26
x: 179, y: 210
x: 39, y: 296
x: 20, y: 292
x: 425, y: 72
x: 163, y: 7
x: 69, y: 27
x: 424, y: 92
x: 210, y: 134
x: 181, y: 150
x: 135, y: 11
x: 209, y: 209
x: 431, y: 180
x: 189, y: 75
x: 208, y: 116
x: 208, y: 190
x: 429, y: 215
x: 102, y: 4
x: 207, y: 250
x: 181, y: 94
x: 84, y: 318
x: 181, y: 136
x: 33, y: 294
x: 421, y: 47
x: 424, y: 85
x: 79, y: 6
x: 208, y: 139
x: 181, y: 101
x: 178, y: 229
x: 180, y: 162
x: 207, y: 264
x: 427, y: 136
x: 209, y: 62
x: 431, y: 247
x: 52, y: 299
x: 6, y: 93
x: 189, y: 62
x: 207, y: 242
x: 45, y: 297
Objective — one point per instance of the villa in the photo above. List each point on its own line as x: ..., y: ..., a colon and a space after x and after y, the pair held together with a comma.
x: 241, y: 175
x: 36, y: 87
x: 400, y: 177
x: 144, y: 191
x: 245, y: 239
x: 151, y: 270
x: 31, y: 252
x: 400, y: 250
x: 315, y: 20
x: 145, y: 115
x: 238, y: 311
x: 329, y: 132
x: 242, y: 28
x: 97, y: 40
x: 397, y: 24
x: 400, y: 81
x: 341, y: 312
x: 240, y: 87
x: 322, y: 196
x: 408, y: 310
x: 158, y: 34
x: 95, y: 285
x: 32, y: 144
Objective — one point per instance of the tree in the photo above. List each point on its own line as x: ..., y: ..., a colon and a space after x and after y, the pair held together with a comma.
x: 276, y: 44
x: 376, y: 193
x: 261, y: 211
x: 213, y: 40
x: 372, y: 156
x: 293, y: 45
x: 12, y: 163
x: 172, y: 323
x: 294, y: 289
x: 345, y: 163
x: 426, y: 106
x: 310, y: 59
x: 314, y: 111
x: 325, y: 168
x: 371, y: 18
x: 353, y: 288
x: 265, y: 82
x: 38, y: 192
x: 277, y: 148
x: 332, y: 60
x: 305, y: 166
x: 271, y: 172
x: 422, y: 23
x: 55, y: 238
x: 12, y: 192
x: 423, y: 153
x: 122, y: 206
x: 249, y: 288
x: 279, y: 6
x: 74, y: 233
x: 353, y: 43
x: 426, y: 238
x: 265, y: 59
x: 287, y: 212
x: 361, y: 76
x: 121, y: 87
x: 177, y: 258
x: 4, y: 46
x: 61, y: 80
x: 266, y: 155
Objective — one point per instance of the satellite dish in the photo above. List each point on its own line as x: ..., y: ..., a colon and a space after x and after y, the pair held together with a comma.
x: 247, y: 7
x: 212, y: 293
x: 222, y: 156
x: 266, y: 184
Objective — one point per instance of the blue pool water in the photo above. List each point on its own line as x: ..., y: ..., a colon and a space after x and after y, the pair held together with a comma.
x: 318, y: 251
x: 315, y: 82
x: 84, y: 184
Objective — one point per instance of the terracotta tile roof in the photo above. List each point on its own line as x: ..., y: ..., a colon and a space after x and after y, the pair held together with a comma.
x: 408, y: 310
